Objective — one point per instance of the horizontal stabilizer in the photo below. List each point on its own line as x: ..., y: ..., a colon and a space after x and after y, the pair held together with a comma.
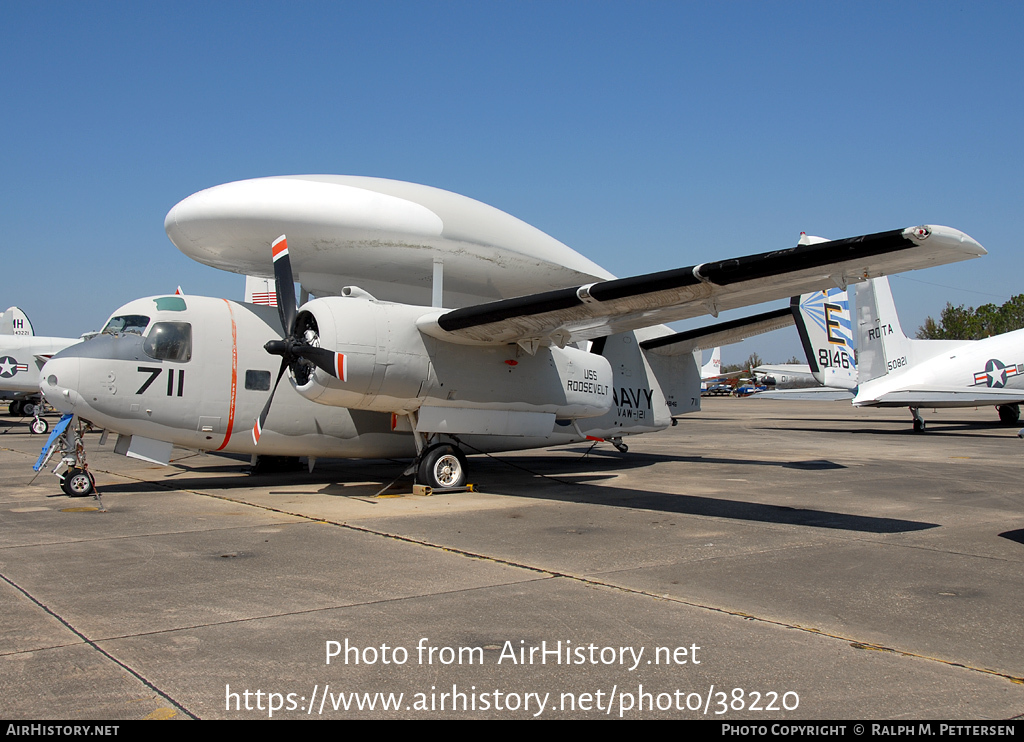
x: 721, y: 333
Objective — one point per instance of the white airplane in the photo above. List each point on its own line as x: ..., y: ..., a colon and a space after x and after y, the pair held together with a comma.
x: 376, y: 366
x: 712, y: 370
x: 786, y: 375
x: 897, y: 371
x: 22, y: 355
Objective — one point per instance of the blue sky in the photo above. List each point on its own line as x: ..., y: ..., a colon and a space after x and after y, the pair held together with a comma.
x: 644, y: 135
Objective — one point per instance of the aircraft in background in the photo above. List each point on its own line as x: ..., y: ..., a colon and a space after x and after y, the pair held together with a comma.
x: 711, y: 371
x: 826, y: 333
x: 726, y: 333
x: 893, y: 370
x: 712, y: 380
x: 826, y: 313
x: 785, y: 375
x: 897, y: 371
x: 261, y: 291
x: 15, y: 322
x: 22, y: 355
x: 377, y: 367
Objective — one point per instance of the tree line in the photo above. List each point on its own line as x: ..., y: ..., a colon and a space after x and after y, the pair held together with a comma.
x: 960, y: 323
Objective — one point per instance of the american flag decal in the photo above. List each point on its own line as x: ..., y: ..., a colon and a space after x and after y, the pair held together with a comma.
x: 266, y: 298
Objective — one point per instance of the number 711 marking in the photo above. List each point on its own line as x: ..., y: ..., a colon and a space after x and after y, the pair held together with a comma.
x: 154, y: 372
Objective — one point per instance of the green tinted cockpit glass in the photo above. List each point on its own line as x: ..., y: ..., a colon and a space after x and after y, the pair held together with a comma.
x: 169, y: 341
x: 170, y: 304
x: 126, y: 323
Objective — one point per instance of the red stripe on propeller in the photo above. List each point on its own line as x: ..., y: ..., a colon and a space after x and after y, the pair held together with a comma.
x: 279, y: 247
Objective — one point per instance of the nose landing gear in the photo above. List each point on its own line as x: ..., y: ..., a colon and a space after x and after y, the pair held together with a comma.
x: 72, y: 470
x: 78, y: 482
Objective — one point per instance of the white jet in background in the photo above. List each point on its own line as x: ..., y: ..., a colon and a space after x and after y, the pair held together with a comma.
x: 898, y: 371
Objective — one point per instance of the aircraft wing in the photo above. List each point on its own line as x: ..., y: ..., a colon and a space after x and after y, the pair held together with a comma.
x: 810, y: 394
x: 784, y: 368
x: 722, y: 333
x: 944, y: 398
x: 606, y: 307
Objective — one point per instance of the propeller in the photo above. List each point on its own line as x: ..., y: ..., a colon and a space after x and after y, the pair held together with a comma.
x: 297, y: 349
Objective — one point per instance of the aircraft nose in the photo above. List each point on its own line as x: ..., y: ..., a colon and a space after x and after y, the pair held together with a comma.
x: 58, y: 381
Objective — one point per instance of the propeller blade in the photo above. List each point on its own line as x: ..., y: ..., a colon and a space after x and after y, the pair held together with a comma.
x: 333, y: 363
x: 285, y: 284
x: 291, y: 349
x: 257, y: 428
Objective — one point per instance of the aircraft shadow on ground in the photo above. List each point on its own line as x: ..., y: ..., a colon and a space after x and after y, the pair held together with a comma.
x: 550, y: 478
x: 557, y: 467
x: 966, y: 430
x: 1017, y: 536
x: 719, y: 507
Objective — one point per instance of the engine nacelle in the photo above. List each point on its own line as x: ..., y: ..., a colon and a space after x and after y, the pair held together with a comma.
x: 390, y: 366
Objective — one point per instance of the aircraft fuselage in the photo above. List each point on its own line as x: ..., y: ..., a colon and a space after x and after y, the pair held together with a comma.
x: 21, y: 358
x: 995, y: 363
x: 193, y: 371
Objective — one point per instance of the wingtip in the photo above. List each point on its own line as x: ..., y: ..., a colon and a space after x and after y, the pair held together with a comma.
x: 948, y: 236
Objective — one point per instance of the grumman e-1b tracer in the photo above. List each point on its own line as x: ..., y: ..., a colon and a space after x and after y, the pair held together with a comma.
x: 441, y: 326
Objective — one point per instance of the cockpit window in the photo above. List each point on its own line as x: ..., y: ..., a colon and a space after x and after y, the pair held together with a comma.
x: 170, y: 304
x: 170, y: 341
x: 133, y: 323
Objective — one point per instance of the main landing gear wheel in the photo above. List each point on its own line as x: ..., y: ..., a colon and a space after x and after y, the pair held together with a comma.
x: 15, y: 408
x: 918, y: 420
x: 28, y: 409
x: 78, y: 483
x: 39, y: 426
x: 1009, y: 414
x: 443, y: 466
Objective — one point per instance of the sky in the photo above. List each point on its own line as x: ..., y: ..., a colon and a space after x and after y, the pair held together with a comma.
x: 645, y: 135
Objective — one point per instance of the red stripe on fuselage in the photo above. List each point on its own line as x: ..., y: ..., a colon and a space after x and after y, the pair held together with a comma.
x: 234, y: 376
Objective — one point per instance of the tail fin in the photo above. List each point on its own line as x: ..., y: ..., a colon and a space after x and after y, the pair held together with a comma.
x: 713, y: 368
x: 826, y: 331
x: 260, y: 291
x: 15, y: 322
x: 883, y: 346
x: 648, y: 389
